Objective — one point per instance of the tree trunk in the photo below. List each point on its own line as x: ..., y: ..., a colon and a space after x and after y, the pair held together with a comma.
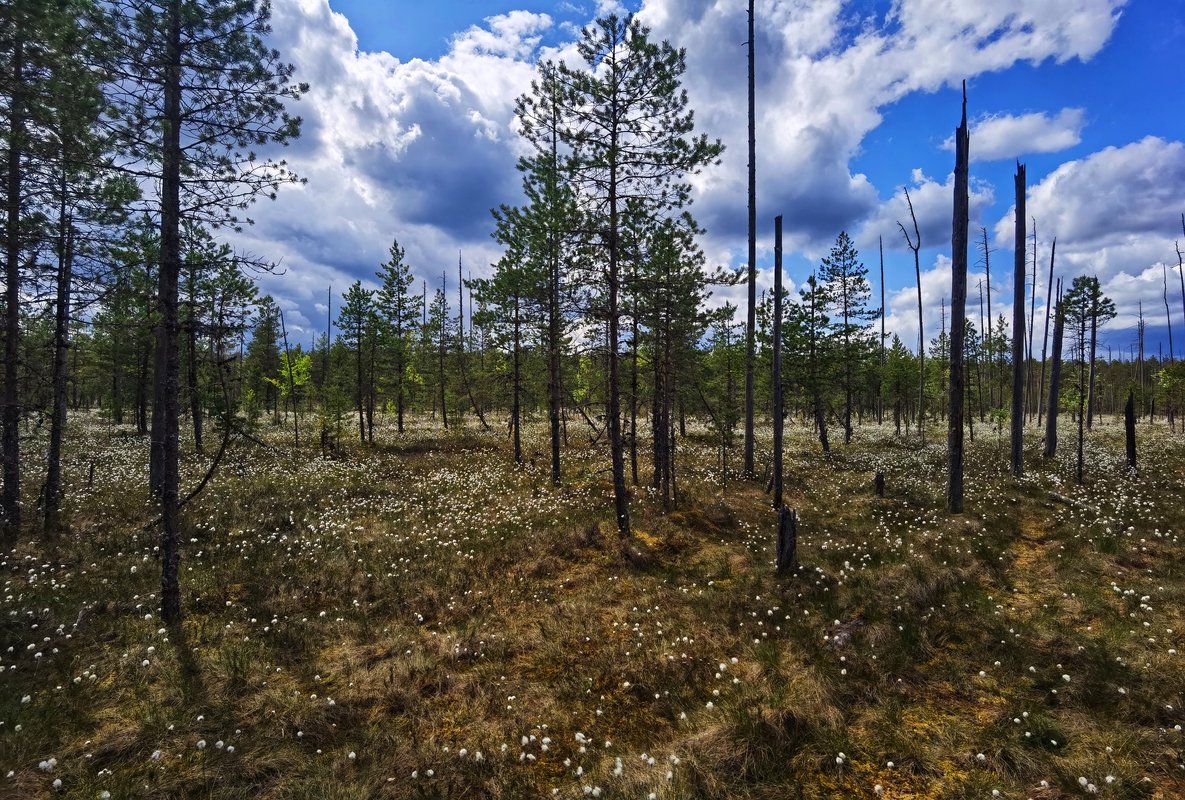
x: 750, y: 324
x: 166, y: 441
x: 1020, y: 267
x: 954, y: 493
x: 1081, y: 393
x: 12, y: 302
x: 1168, y: 320
x: 621, y: 498
x: 816, y: 391
x: 634, y: 379
x: 57, y: 427
x: 291, y: 383
x: 1055, y: 378
x: 359, y: 390
x: 554, y: 386
x: 787, y: 550
x: 1029, y: 402
x: 1045, y: 336
x: 1094, y: 339
x: 778, y: 422
x: 1129, y: 427
x: 880, y: 402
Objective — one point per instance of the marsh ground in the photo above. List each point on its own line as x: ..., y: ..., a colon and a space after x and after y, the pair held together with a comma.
x: 422, y: 619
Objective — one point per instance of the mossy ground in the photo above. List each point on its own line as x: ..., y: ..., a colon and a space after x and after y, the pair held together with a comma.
x: 366, y: 625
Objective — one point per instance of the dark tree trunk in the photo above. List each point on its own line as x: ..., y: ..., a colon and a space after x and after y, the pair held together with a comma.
x: 1129, y: 427
x: 291, y: 383
x: 621, y: 497
x: 816, y: 390
x: 516, y: 402
x: 1055, y: 379
x: 634, y: 380
x: 1081, y: 394
x: 787, y: 553
x: 1029, y: 402
x: 166, y: 441
x: 370, y: 390
x: 880, y: 402
x: 57, y: 427
x: 954, y: 491
x: 1045, y: 336
x: 191, y: 372
x: 1094, y: 339
x: 777, y: 410
x: 359, y: 389
x: 12, y: 303
x: 991, y: 357
x: 142, y: 409
x: 751, y: 320
x: 1168, y: 319
x: 443, y: 410
x: 554, y: 384
x: 1020, y: 267
x: 915, y: 244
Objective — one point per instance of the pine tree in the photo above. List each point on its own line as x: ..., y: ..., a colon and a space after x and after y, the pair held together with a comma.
x: 193, y: 91
x: 844, y: 280
x: 630, y: 131
x: 399, y: 308
x: 356, y: 323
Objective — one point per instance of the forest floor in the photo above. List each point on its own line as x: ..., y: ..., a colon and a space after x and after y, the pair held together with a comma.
x: 421, y: 619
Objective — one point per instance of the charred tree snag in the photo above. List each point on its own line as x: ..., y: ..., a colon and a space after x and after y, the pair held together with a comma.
x: 1020, y: 265
x: 954, y: 490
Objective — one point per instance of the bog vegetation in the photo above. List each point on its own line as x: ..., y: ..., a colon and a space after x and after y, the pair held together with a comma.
x: 571, y: 528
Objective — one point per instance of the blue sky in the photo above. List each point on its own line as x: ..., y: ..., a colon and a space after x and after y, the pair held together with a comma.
x: 408, y: 134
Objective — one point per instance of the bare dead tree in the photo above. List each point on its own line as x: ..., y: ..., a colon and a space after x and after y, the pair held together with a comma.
x: 1055, y: 376
x: 880, y: 403
x: 1020, y: 266
x: 915, y: 244
x: 778, y: 422
x: 1045, y: 336
x: 954, y: 491
x: 987, y: 267
x: 1029, y: 401
x: 1168, y: 319
x: 751, y: 321
x: 1129, y: 427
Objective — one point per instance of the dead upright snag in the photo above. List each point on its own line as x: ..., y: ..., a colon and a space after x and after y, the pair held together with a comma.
x: 778, y: 422
x: 1055, y: 375
x: 1018, y: 329
x: 750, y: 322
x: 1129, y: 427
x: 915, y: 244
x: 954, y: 435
